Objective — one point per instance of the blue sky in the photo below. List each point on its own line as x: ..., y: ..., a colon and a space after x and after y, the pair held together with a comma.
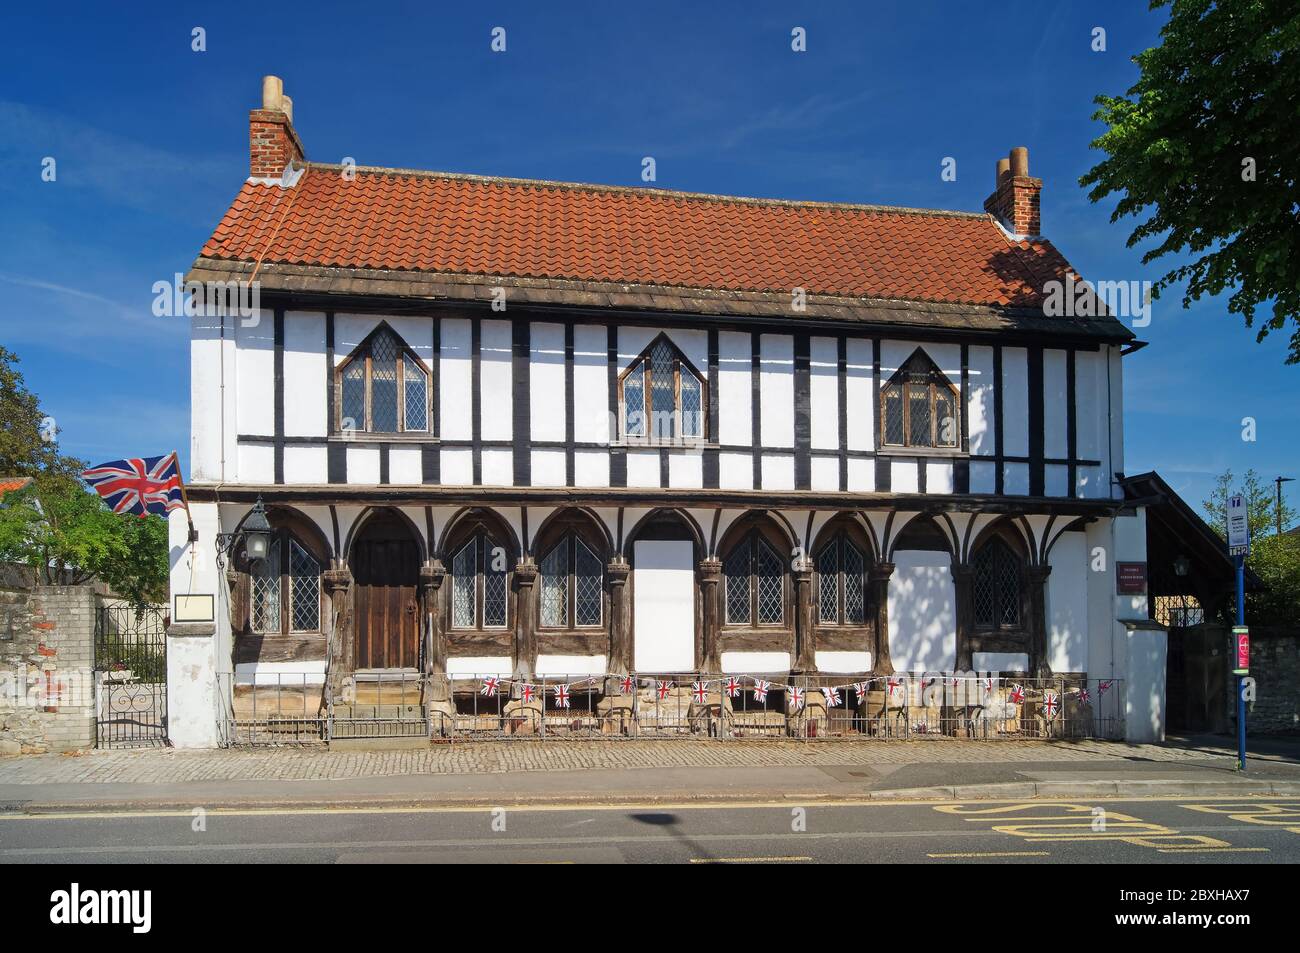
x: 151, y: 144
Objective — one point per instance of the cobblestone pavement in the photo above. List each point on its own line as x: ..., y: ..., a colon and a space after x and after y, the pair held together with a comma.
x: 164, y: 766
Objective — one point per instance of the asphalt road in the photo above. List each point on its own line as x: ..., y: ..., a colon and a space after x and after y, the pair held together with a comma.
x: 1145, y: 831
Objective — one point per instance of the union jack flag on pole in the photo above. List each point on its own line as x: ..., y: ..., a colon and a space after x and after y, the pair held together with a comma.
x: 139, y: 486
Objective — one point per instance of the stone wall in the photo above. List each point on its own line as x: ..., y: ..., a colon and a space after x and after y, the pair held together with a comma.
x: 1275, y: 666
x: 47, y: 692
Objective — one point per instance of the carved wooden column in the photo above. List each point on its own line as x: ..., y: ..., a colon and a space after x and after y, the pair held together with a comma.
x: 432, y: 575
x: 337, y: 583
x: 879, y: 580
x: 620, y: 616
x: 1037, y: 599
x: 525, y: 618
x: 805, y: 636
x: 963, y: 580
x: 710, y: 659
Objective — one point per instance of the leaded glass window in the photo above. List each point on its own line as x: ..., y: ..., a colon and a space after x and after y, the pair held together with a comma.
x: 478, y: 585
x: 919, y: 407
x: 266, y: 591
x: 384, y: 388
x: 997, y: 586
x: 754, y: 581
x: 304, y: 589
x: 572, y: 584
x: 841, y: 583
x: 663, y: 397
x: 284, y: 588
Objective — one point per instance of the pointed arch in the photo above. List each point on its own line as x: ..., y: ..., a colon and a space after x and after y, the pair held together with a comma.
x: 663, y: 397
x: 920, y: 407
x: 372, y: 513
x: 383, y: 387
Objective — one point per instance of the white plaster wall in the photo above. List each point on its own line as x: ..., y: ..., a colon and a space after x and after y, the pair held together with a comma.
x: 456, y: 466
x: 1144, y: 689
x: 858, y: 385
x: 663, y: 605
x: 571, y: 665
x: 735, y: 389
x: 1067, y: 604
x: 736, y: 471
x: 824, y: 394
x: 1113, y: 458
x: 922, y: 612
x: 1000, y: 661
x: 836, y: 662
x: 363, y: 464
x: 862, y: 475
x: 456, y: 371
x: 643, y: 468
x: 1015, y: 479
x: 349, y: 331
x: 778, y: 471
x: 192, y: 661
x: 755, y: 663
x: 591, y: 468
x: 983, y: 477
x: 981, y: 407
x: 1056, y: 479
x: 686, y: 469
x: 305, y: 381
x: 305, y: 465
x: 210, y: 354
x: 938, y: 477
x: 904, y: 476
x: 256, y: 463
x: 1055, y: 404
x: 546, y: 382
x: 405, y: 466
x: 496, y: 384
x: 1015, y: 391
x: 776, y: 386
x: 825, y: 473
x: 548, y: 468
x: 479, y: 666
x: 498, y: 467
x: 255, y: 380
x: 591, y: 410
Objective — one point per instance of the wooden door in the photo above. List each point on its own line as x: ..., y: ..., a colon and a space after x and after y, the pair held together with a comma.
x: 385, y: 565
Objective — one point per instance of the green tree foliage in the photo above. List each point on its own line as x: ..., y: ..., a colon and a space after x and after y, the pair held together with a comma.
x: 1274, y: 559
x: 1206, y: 142
x: 58, y: 528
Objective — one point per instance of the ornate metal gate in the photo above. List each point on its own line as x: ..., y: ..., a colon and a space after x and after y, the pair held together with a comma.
x: 130, y: 677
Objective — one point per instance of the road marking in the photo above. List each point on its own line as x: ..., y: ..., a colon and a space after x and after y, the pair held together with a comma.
x: 998, y: 853
x: 748, y: 860
x: 1212, y: 850
x: 1063, y: 821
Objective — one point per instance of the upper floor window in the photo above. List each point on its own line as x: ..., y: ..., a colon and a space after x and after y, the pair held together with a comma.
x: 662, y: 397
x: 572, y: 584
x: 754, y: 580
x: 285, y: 588
x: 919, y: 407
x: 841, y: 583
x: 383, y: 387
x: 997, y: 587
x: 478, y: 584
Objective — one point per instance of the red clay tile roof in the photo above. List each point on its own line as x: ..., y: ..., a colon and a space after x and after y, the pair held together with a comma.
x: 442, y: 223
x: 12, y: 484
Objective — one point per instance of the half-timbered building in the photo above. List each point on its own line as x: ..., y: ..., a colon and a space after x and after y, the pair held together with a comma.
x: 518, y: 428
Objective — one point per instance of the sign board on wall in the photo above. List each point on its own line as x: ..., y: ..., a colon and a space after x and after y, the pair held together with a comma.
x: 194, y: 608
x: 1241, y: 649
x: 1131, y: 579
x: 1238, y: 527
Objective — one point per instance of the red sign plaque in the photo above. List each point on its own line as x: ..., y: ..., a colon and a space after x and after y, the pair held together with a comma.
x: 1241, y: 642
x: 1130, y: 579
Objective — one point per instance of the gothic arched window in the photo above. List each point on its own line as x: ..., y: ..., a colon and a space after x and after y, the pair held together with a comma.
x: 284, y: 592
x: 919, y: 407
x: 754, y: 582
x: 841, y: 582
x: 383, y: 387
x: 572, y: 584
x: 662, y: 396
x: 998, y: 573
x: 478, y: 584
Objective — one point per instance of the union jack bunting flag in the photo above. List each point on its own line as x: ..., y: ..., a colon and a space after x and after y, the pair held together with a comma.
x: 1049, y: 705
x: 760, y: 689
x: 1017, y: 695
x: 1102, y: 688
x: 701, y: 691
x: 733, y: 687
x: 490, y: 686
x: 626, y: 685
x: 894, y: 683
x: 832, y: 695
x: 1084, y: 696
x: 526, y: 692
x: 138, y: 486
x: 663, y: 688
x: 561, y: 696
x: 860, y: 690
x: 796, y: 698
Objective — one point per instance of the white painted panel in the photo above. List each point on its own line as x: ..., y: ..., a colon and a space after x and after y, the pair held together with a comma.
x: 1000, y: 661
x: 735, y: 471
x: 404, y: 465
x: 844, y: 661
x: 206, y: 365
x: 255, y: 397
x: 1067, y: 604
x: 1090, y: 408
x: 476, y: 666
x: 305, y: 387
x: 1055, y: 405
x: 904, y: 476
x: 643, y: 468
x: 256, y: 463
x: 548, y: 468
x: 591, y: 468
x: 938, y: 477
x: 1056, y: 480
x: 287, y: 675
x: 456, y: 467
x: 1015, y: 479
x: 1015, y: 391
x: 456, y: 369
x: 922, y: 612
x: 778, y: 471
x: 776, y: 387
x: 306, y: 465
x: 349, y: 331
x: 1090, y: 483
x: 498, y: 467
x: 735, y: 389
x: 981, y: 407
x: 824, y: 394
x: 663, y: 605
x: 496, y: 383
x: 983, y: 477
x: 546, y: 382
x: 570, y: 665
x: 826, y: 473
x: 363, y: 464
x: 858, y: 386
x: 686, y: 469
x: 591, y: 411
x: 417, y: 333
x: 755, y: 663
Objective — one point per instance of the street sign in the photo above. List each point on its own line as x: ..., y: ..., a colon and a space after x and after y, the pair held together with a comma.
x: 1238, y: 527
x: 1241, y: 649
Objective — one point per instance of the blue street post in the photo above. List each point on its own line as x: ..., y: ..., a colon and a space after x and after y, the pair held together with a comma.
x: 1241, y: 679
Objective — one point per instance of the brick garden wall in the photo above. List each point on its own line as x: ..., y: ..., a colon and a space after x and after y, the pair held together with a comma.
x: 47, y: 697
x: 1275, y: 666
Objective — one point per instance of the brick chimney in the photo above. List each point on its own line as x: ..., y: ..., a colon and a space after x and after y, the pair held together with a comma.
x: 1014, y: 201
x: 272, y: 142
